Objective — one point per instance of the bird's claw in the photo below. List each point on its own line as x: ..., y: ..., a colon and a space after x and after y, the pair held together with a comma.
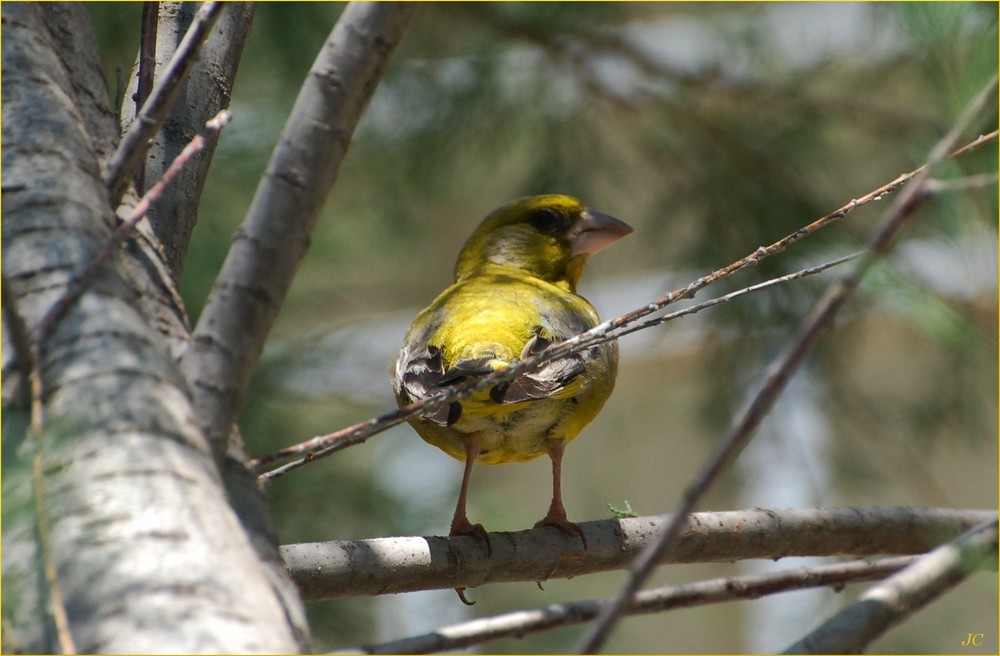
x: 467, y: 528
x: 461, y: 595
x: 560, y: 522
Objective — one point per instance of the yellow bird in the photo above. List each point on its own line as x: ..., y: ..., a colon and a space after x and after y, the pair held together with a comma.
x: 514, y: 294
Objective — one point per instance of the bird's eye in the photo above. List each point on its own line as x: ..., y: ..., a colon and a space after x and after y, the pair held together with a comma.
x: 548, y: 221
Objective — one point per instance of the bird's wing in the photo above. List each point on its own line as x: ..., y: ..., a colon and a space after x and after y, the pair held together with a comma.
x: 422, y: 370
x: 419, y: 374
x: 550, y: 380
x: 422, y: 374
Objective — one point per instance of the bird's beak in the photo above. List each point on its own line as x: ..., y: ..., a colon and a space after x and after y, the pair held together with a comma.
x: 595, y: 231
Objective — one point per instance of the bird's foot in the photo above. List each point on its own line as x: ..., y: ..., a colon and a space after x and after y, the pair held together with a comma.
x: 461, y: 595
x: 464, y: 527
x: 559, y: 521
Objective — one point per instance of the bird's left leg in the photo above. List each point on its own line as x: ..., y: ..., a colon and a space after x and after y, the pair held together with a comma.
x: 460, y: 524
x: 557, y: 512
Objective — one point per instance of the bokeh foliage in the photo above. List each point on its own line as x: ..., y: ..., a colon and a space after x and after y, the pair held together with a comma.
x: 712, y: 128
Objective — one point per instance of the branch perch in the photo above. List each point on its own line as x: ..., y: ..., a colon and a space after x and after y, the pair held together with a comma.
x: 780, y: 372
x: 326, y: 570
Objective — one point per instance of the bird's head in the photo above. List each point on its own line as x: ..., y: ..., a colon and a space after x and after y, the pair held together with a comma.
x: 549, y: 237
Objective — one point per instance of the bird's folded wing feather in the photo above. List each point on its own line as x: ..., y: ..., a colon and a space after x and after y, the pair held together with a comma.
x: 423, y: 375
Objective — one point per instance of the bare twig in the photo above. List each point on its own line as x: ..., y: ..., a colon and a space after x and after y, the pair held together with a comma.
x: 80, y: 281
x: 974, y: 144
x: 780, y: 372
x: 761, y: 286
x: 522, y: 622
x: 132, y: 149
x: 58, y: 606
x: 400, y: 416
x: 59, y: 614
x: 851, y: 630
x: 326, y: 570
x: 329, y: 443
x: 206, y: 91
x: 147, y: 62
x: 970, y: 183
x: 29, y: 363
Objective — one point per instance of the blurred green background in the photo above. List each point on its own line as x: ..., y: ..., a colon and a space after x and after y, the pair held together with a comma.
x: 712, y: 129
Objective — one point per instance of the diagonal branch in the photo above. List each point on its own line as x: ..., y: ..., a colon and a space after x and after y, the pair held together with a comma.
x: 127, y: 478
x: 725, y: 298
x: 519, y: 623
x: 781, y: 372
x: 206, y: 91
x: 120, y: 168
x: 266, y: 252
x: 327, y: 444
x: 884, y: 605
x: 81, y: 280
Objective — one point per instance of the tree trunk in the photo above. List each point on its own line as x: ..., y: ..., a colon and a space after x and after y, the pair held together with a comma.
x: 129, y: 506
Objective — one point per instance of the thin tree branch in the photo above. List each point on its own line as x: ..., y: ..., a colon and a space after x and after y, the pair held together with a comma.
x: 407, y: 412
x: 974, y: 144
x: 895, y: 599
x: 725, y: 298
x: 781, y: 372
x: 970, y: 183
x: 329, y: 443
x: 31, y: 356
x: 80, y: 281
x: 519, y: 623
x: 119, y: 169
x: 147, y: 62
x: 56, y: 603
x: 396, y: 417
x: 206, y: 91
x: 325, y: 570
x: 266, y: 252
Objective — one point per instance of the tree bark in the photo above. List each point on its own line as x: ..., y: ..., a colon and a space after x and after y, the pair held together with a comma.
x: 149, y: 554
x: 325, y: 570
x: 207, y: 90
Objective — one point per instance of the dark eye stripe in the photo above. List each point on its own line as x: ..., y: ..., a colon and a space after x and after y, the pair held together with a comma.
x: 548, y: 221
